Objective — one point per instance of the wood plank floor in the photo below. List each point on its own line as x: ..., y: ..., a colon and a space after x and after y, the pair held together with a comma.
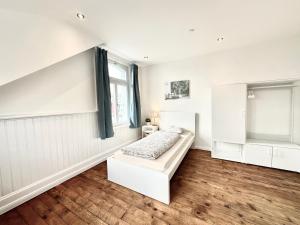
x: 204, y: 191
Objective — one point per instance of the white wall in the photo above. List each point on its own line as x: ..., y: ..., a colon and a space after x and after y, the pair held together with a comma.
x: 66, y: 87
x: 38, y: 152
x: 273, y: 60
x: 30, y: 42
x: 269, y: 114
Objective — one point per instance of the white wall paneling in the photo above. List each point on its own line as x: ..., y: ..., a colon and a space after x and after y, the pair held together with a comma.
x: 40, y: 151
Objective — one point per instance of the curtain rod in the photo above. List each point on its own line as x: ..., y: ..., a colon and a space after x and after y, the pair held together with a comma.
x: 273, y: 86
x: 116, y: 55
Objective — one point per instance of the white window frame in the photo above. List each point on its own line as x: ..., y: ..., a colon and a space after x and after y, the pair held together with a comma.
x: 121, y: 82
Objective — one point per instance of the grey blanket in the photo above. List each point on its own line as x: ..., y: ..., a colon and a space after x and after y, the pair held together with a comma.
x: 152, y: 146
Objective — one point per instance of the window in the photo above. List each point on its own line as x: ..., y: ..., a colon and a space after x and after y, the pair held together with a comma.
x: 119, y: 88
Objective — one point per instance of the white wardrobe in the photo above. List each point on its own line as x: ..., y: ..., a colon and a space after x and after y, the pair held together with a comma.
x: 257, y: 124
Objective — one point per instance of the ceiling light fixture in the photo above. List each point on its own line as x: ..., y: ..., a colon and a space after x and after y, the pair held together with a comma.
x: 80, y: 16
x: 220, y: 39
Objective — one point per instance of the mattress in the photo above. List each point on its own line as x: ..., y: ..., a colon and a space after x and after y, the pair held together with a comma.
x: 161, y: 163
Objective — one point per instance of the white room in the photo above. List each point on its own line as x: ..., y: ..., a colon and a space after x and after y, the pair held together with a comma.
x: 150, y: 112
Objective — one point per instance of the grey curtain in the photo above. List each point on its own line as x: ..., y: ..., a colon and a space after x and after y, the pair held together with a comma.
x: 103, y: 94
x: 135, y: 109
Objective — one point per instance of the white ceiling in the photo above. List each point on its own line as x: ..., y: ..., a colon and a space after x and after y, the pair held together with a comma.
x: 159, y: 28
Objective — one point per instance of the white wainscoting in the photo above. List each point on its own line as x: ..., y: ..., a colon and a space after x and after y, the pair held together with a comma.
x: 40, y: 152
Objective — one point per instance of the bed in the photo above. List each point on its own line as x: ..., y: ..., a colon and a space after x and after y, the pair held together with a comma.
x: 152, y: 177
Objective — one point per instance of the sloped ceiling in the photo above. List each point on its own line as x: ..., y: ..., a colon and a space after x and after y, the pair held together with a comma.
x: 133, y: 29
x: 31, y: 42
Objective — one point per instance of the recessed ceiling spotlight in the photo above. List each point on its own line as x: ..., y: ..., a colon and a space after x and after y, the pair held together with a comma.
x: 191, y: 30
x: 220, y: 39
x: 80, y: 16
x: 146, y: 57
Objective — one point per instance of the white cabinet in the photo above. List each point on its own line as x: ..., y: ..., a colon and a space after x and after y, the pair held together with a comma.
x: 148, y: 129
x: 286, y: 158
x: 278, y: 155
x: 260, y: 155
x: 229, y: 113
x: 296, y: 122
x: 272, y: 116
x: 227, y: 151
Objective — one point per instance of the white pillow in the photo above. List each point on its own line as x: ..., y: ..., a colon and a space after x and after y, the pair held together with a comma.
x: 174, y: 129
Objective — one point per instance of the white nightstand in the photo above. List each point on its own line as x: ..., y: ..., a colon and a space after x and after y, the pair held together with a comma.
x: 148, y: 129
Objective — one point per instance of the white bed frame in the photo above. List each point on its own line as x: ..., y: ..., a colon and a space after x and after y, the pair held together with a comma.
x: 153, y: 183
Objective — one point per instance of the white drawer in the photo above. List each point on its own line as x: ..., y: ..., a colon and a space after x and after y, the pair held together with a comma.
x: 286, y: 158
x: 260, y: 155
x: 227, y: 151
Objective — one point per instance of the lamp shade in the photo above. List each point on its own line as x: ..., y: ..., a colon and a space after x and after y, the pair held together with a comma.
x: 155, y: 117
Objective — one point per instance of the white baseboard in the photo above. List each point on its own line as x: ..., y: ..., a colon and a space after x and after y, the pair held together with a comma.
x: 24, y: 194
x: 205, y: 148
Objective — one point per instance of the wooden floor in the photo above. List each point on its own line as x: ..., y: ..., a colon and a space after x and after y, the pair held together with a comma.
x: 204, y: 191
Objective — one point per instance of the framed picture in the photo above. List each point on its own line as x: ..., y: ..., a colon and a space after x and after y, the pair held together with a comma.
x: 177, y: 89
